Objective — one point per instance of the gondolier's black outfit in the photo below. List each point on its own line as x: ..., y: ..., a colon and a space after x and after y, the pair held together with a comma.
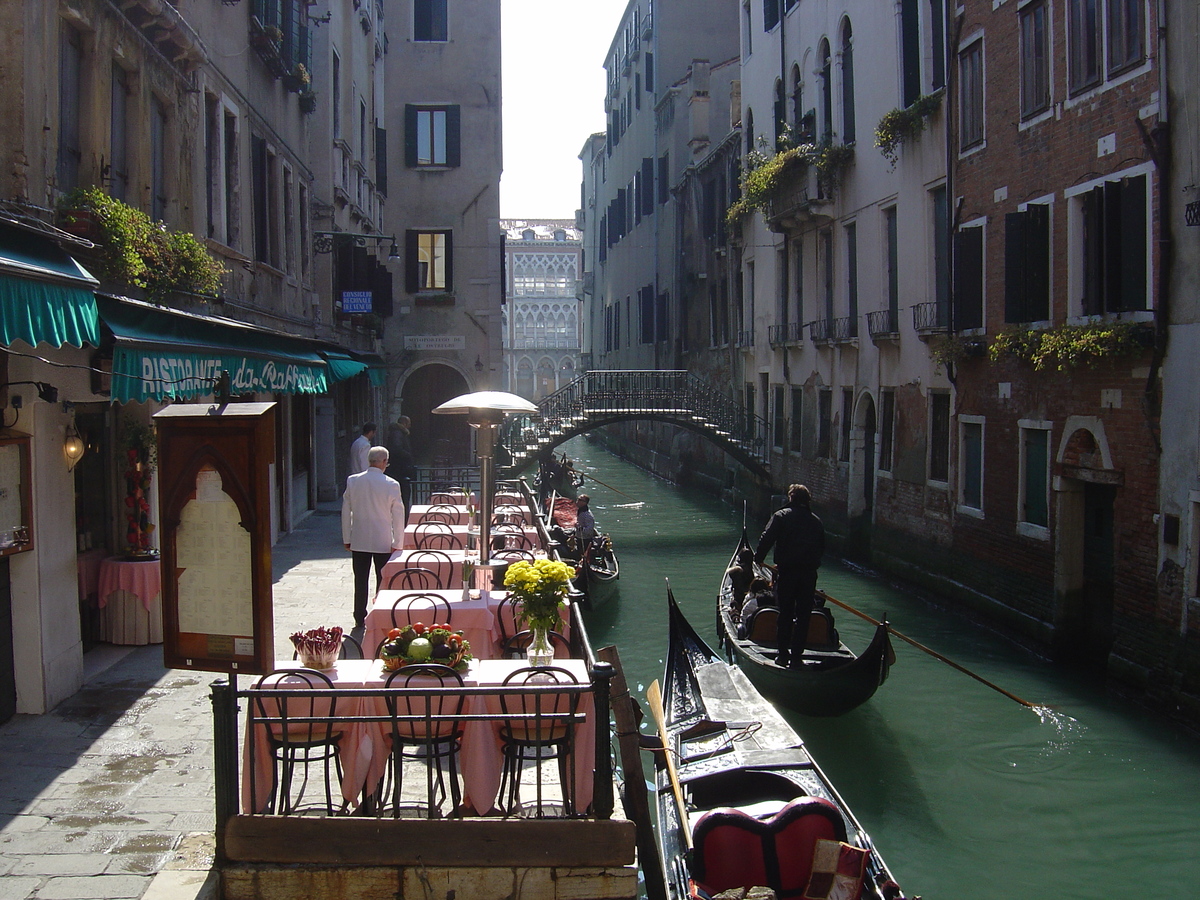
x: 799, y: 541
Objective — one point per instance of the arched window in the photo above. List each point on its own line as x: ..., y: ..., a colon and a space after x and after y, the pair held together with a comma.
x: 847, y: 84
x: 749, y: 130
x: 826, y: 112
x: 798, y: 106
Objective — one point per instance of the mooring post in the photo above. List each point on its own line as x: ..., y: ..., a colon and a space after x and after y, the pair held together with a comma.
x: 602, y: 794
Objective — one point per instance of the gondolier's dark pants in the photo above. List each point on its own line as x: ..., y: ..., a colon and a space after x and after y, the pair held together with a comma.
x: 794, y: 589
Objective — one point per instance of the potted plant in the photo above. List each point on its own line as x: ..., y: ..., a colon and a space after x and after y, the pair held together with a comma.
x: 308, y: 101
x: 541, y: 590
x: 297, y: 79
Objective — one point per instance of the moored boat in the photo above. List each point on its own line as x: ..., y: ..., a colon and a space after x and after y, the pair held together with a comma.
x: 740, y: 801
x: 827, y: 680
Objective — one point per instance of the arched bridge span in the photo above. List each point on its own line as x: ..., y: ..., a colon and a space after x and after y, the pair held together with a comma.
x: 604, y: 397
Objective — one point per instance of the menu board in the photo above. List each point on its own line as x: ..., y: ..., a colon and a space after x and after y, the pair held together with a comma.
x: 15, y: 497
x: 10, y: 488
x: 212, y: 558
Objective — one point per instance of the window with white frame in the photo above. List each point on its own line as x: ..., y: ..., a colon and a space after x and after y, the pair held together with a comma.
x: 1034, y: 479
x: 1084, y: 27
x: 1035, y: 58
x: 431, y: 135
x: 970, y: 70
x: 848, y: 124
x: 1027, y: 264
x: 970, y: 463
x: 428, y: 261
x: 1126, y: 34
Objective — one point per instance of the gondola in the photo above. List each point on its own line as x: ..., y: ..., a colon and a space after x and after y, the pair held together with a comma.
x: 597, y: 565
x: 740, y: 800
x: 829, y: 679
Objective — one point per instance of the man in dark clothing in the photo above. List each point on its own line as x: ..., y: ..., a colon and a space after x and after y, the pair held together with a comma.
x: 402, y: 468
x: 799, y: 541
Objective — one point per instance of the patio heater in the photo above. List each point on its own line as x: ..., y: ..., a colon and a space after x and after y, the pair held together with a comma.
x: 485, y: 411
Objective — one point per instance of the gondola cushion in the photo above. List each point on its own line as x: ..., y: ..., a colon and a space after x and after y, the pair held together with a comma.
x: 732, y: 849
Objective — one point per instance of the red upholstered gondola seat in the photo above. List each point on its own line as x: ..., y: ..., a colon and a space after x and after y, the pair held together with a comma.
x: 732, y: 849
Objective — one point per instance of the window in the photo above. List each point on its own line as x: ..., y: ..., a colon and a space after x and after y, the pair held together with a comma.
x: 305, y: 234
x: 887, y: 428
x: 797, y: 438
x: 1027, y: 264
x: 770, y: 14
x: 335, y: 93
x: 970, y: 465
x: 428, y: 261
x: 747, y: 42
x: 1126, y: 41
x: 1035, y: 60
x: 847, y: 414
x: 749, y: 136
x: 1114, y: 249
x: 1035, y: 474
x: 780, y: 114
x: 824, y: 423
x: 664, y: 178
x: 970, y: 67
x: 797, y: 275
x: 968, y: 277
x: 70, y: 137
x: 289, y: 222
x: 646, y: 191
x: 892, y: 232
x: 941, y: 255
x: 852, y: 277
x: 660, y: 326
x: 826, y: 262
x: 158, y: 160
x: 262, y: 190
x: 937, y: 30
x: 826, y: 123
x: 118, y: 167
x: 910, y: 51
x: 646, y: 313
x: 429, y: 20
x: 778, y: 422
x: 431, y: 136
x: 939, y: 436
x: 1083, y: 43
x: 798, y: 104
x: 848, y: 129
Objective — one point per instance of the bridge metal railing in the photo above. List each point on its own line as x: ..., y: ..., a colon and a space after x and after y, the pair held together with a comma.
x: 616, y: 394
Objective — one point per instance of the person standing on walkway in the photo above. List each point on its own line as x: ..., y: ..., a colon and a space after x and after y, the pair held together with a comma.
x: 372, y: 524
x: 799, y: 541
x: 360, y: 448
x: 401, y: 465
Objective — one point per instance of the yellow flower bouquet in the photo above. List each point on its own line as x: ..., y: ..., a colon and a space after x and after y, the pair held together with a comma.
x: 540, y: 588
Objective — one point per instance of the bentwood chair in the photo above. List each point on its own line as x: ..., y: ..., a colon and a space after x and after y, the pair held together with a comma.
x: 421, y: 607
x: 426, y: 728
x: 436, y: 561
x: 413, y: 578
x: 450, y: 496
x: 439, y: 540
x: 295, y: 743
x: 515, y: 646
x: 538, y: 726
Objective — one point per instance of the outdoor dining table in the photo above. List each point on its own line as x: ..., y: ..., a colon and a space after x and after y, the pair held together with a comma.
x: 410, y: 559
x: 130, y: 598
x: 365, y: 747
x: 460, y: 515
x: 466, y: 534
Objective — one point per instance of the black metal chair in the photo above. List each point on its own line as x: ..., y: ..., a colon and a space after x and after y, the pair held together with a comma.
x: 538, y: 726
x: 412, y: 578
x: 439, y: 540
x: 436, y: 561
x: 300, y: 743
x: 435, y: 738
x: 515, y: 646
x: 403, y: 609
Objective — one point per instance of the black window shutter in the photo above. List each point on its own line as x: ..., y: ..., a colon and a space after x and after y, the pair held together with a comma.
x: 664, y: 178
x: 910, y: 49
x: 648, y: 186
x: 453, y: 143
x: 622, y: 200
x: 650, y: 72
x: 422, y: 20
x: 1093, y: 252
x: 411, y: 282
x: 343, y: 269
x: 1037, y: 262
x: 410, y: 135
x: 381, y: 291
x: 449, y: 261
x: 968, y: 278
x: 1014, y: 267
x: 1133, y: 243
x: 381, y: 169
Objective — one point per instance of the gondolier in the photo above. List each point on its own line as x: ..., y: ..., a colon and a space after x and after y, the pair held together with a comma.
x: 799, y: 541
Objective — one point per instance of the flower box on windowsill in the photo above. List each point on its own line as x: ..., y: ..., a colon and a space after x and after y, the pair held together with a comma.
x: 440, y: 299
x: 308, y: 102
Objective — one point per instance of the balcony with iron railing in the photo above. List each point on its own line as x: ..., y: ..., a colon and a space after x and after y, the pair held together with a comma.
x: 845, y: 329
x: 884, y: 325
x: 818, y: 331
x: 744, y: 340
x: 931, y: 317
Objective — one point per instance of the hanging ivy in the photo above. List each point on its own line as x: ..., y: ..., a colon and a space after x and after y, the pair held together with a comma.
x: 900, y: 125
x: 1066, y: 347
x: 765, y: 175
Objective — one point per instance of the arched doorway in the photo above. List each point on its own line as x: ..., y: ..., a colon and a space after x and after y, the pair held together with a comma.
x: 444, y: 439
x: 861, y: 495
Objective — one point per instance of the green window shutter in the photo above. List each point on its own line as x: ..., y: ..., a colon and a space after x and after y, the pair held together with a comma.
x: 453, y: 141
x: 411, y: 282
x: 1014, y: 268
x: 449, y: 261
x: 381, y: 167
x: 1037, y: 262
x: 410, y: 135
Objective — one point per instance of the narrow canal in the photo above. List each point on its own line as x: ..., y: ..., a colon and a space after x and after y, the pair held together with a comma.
x: 968, y: 795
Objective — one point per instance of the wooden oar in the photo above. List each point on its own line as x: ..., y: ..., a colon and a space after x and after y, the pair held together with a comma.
x: 610, y: 487
x: 933, y: 653
x: 654, y: 695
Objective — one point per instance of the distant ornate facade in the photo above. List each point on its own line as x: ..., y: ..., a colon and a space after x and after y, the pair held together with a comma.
x: 541, y: 316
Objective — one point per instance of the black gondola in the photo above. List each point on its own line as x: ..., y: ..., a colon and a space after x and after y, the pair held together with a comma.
x: 828, y: 679
x: 738, y: 782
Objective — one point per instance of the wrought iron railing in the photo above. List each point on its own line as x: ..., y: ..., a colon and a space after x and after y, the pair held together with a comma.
x: 776, y: 334
x: 818, y: 330
x: 883, y: 323
x: 931, y: 316
x: 845, y: 329
x: 794, y: 333
x: 744, y: 339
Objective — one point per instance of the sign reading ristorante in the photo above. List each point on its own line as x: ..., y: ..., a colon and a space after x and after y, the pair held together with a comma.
x: 146, y: 374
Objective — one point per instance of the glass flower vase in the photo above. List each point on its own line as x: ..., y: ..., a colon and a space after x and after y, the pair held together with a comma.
x: 540, y: 651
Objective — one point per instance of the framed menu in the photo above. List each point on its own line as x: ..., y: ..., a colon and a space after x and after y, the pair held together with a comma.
x: 16, y: 533
x: 215, y: 466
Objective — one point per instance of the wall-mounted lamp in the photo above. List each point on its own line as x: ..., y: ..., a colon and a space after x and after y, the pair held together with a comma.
x: 323, y: 241
x: 46, y: 392
x: 73, y: 446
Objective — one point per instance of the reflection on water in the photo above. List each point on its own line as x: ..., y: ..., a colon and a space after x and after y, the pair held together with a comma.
x: 968, y: 794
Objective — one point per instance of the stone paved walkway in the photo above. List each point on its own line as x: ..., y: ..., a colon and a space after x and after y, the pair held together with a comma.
x: 110, y: 795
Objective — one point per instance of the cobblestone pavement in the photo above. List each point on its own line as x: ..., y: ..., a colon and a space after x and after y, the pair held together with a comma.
x: 110, y: 795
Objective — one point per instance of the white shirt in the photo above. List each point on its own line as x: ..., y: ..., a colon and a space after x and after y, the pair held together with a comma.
x: 358, y: 454
x: 372, y: 513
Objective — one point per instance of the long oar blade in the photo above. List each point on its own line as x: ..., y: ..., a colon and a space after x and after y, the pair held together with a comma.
x: 654, y: 696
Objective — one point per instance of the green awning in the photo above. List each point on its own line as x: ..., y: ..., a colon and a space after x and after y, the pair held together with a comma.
x: 377, y: 376
x: 45, y: 295
x: 342, y: 365
x: 167, y: 354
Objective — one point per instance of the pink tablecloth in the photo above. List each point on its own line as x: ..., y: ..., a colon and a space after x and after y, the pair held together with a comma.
x: 476, y: 619
x: 87, y: 568
x: 458, y: 514
x: 130, y: 597
x: 141, y: 578
x: 449, y: 573
x: 464, y: 538
x: 365, y: 747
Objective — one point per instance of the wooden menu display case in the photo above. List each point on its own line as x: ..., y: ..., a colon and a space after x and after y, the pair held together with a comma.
x: 214, y: 465
x: 16, y: 498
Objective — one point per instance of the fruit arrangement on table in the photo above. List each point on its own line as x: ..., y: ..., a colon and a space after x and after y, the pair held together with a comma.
x: 421, y: 644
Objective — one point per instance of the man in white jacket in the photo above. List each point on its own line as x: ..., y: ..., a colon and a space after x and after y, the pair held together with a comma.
x: 372, y: 524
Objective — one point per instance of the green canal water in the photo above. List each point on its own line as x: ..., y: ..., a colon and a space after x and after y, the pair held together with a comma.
x: 967, y: 794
